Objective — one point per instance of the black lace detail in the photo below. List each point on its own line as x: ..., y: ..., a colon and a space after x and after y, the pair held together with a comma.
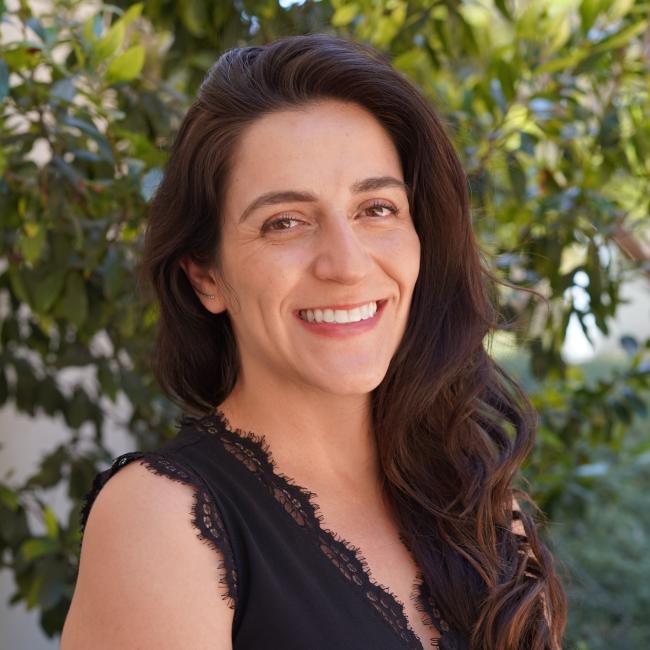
x: 427, y: 605
x: 253, y: 451
x: 424, y: 602
x: 205, y: 515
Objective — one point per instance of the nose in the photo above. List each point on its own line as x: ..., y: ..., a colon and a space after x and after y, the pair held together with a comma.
x: 342, y: 256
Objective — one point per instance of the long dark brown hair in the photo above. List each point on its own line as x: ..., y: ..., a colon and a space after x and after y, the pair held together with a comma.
x: 452, y: 427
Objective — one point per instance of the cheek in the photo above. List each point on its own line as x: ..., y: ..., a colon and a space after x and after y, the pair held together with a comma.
x: 266, y: 274
x: 400, y: 251
x: 414, y: 257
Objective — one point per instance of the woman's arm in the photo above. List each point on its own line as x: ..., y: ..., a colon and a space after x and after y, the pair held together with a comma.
x: 145, y: 579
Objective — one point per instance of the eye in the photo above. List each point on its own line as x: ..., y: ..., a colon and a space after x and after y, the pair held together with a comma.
x: 381, y: 205
x: 278, y: 224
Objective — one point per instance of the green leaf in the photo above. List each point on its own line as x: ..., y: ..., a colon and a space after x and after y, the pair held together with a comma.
x: 25, y: 54
x: 18, y: 284
x: 49, y: 473
x: 126, y: 66
x: 80, y: 409
x: 503, y: 9
x: 9, y: 498
x: 31, y: 241
x: 345, y: 15
x: 54, y: 575
x: 51, y: 523
x: 507, y: 78
x: 33, y: 591
x: 194, y: 16
x: 560, y: 32
x: 115, y: 274
x: 107, y: 381
x: 589, y: 10
x: 618, y: 8
x: 37, y: 547
x: 73, y: 304
x: 111, y: 42
x: 563, y: 62
x: 127, y: 320
x: 517, y: 177
x: 82, y: 473
x: 133, y: 12
x: 388, y: 26
x: 620, y: 39
x: 92, y: 29
x: 45, y: 287
x: 411, y: 59
x: 51, y: 400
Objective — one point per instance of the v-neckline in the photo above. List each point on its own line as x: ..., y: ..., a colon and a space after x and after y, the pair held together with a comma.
x: 253, y: 451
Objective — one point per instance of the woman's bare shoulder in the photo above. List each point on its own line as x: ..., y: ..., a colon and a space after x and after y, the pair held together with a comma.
x: 145, y: 579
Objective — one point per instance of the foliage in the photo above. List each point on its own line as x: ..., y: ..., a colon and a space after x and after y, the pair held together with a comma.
x: 605, y: 550
x: 546, y: 102
x: 84, y: 128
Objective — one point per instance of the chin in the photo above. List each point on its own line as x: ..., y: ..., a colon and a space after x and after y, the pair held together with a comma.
x: 350, y: 383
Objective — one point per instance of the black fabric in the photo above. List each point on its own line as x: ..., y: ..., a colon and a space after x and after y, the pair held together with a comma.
x: 293, y: 584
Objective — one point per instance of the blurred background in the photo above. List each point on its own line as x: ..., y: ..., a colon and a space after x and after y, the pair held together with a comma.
x: 548, y: 103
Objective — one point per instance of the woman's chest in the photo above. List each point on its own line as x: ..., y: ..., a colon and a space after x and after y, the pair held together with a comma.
x: 371, y: 529
x: 315, y: 569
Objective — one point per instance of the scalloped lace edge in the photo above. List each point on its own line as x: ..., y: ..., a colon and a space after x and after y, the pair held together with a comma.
x: 347, y: 557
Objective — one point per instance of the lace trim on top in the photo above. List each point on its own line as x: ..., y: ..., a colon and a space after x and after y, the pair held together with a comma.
x: 205, y: 515
x: 253, y: 451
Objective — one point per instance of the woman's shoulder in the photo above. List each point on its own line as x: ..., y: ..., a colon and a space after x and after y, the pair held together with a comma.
x: 136, y: 526
x: 192, y: 458
x: 163, y: 491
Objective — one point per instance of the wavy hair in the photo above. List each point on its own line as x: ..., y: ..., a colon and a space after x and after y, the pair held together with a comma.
x: 452, y: 427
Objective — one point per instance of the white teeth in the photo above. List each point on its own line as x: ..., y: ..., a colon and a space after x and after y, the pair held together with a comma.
x: 339, y: 315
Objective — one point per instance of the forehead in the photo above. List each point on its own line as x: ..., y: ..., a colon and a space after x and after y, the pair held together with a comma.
x: 322, y: 145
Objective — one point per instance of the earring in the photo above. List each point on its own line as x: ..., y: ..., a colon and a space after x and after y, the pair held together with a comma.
x: 207, y: 295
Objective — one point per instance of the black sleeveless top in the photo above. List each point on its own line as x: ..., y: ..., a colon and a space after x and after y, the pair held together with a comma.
x: 293, y: 584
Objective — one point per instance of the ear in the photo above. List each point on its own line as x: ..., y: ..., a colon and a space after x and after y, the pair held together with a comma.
x: 205, y: 285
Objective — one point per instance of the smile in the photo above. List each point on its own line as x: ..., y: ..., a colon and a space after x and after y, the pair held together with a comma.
x: 334, y: 315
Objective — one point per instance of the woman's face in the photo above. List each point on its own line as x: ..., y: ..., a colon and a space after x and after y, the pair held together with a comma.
x: 335, y: 240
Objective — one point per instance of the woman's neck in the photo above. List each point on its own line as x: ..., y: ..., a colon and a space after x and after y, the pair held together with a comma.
x: 327, y: 437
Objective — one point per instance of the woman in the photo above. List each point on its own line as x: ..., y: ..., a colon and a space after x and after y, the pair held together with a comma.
x: 323, y: 308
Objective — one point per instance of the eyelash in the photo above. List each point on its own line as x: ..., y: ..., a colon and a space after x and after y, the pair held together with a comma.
x: 268, y: 226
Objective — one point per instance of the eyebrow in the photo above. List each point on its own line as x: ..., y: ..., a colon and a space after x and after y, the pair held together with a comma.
x: 290, y: 196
